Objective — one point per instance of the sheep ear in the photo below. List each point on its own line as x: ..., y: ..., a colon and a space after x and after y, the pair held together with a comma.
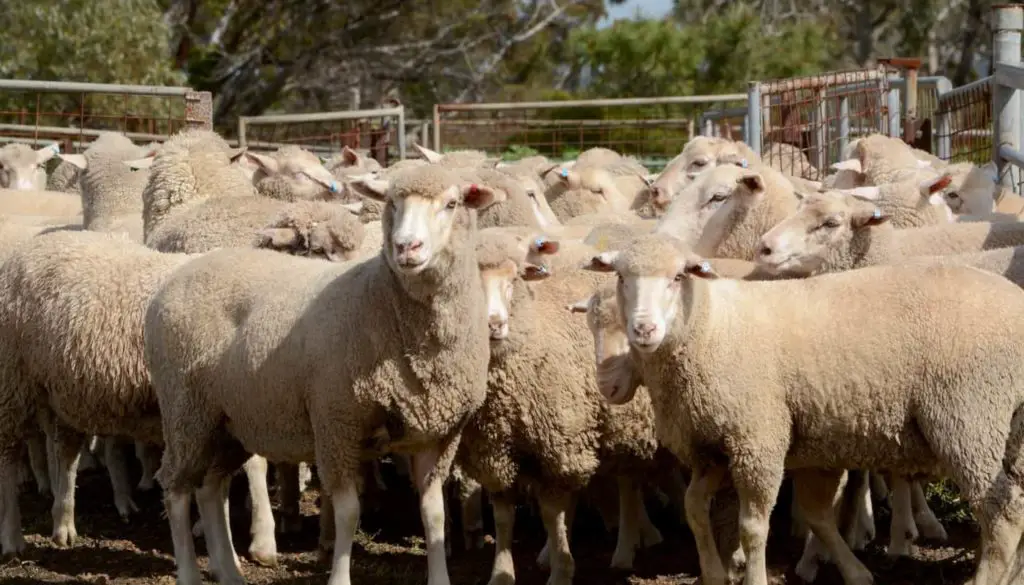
x: 870, y: 193
x: 350, y: 157
x: 852, y: 164
x: 76, y: 159
x: 377, y: 188
x: 480, y: 196
x: 868, y: 219
x: 931, y: 186
x: 603, y: 262
x: 280, y: 237
x: 648, y: 179
x: 267, y: 163
x: 542, y: 245
x: 753, y: 182
x: 700, y: 268
x: 428, y: 154
x: 47, y: 152
x: 570, y: 178
x: 235, y: 153
x: 581, y: 306
x: 140, y: 163
x: 531, y: 272
x: 355, y: 207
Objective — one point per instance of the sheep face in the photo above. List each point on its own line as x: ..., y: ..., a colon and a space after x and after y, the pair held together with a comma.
x: 294, y: 171
x: 504, y: 259
x: 700, y: 154
x: 824, y: 224
x: 424, y: 208
x: 651, y: 290
x: 611, y: 344
x: 717, y: 193
x: 976, y: 193
x: 593, y: 183
x: 21, y: 167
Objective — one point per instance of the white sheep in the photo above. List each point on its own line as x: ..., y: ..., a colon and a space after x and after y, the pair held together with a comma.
x: 807, y: 413
x: 23, y: 168
x: 420, y: 375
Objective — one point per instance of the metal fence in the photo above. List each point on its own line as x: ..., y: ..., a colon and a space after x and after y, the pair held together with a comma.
x: 374, y: 131
x: 1006, y: 84
x: 818, y: 116
x: 72, y: 114
x: 652, y: 129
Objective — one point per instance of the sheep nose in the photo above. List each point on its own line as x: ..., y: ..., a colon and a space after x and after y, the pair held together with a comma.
x: 765, y: 250
x: 644, y: 329
x: 496, y: 322
x: 404, y: 246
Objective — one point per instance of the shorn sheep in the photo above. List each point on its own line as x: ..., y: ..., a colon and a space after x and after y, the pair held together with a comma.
x: 411, y: 324
x: 949, y: 404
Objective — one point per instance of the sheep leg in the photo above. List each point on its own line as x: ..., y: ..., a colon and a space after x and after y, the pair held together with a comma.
x: 757, y: 486
x: 117, y: 469
x: 327, y: 528
x: 544, y: 556
x: 703, y: 485
x: 553, y: 510
x: 903, y: 530
x: 629, y: 530
x: 430, y: 484
x: 11, y: 540
x: 860, y: 529
x: 263, y: 548
x: 927, y: 523
x: 471, y: 498
x: 67, y: 446
x: 345, y: 502
x: 149, y: 456
x: 211, y: 499
x: 815, y: 491
x: 37, y: 461
x: 291, y: 490
x: 879, y: 489
x: 503, y: 571
x: 649, y: 533
x: 88, y: 458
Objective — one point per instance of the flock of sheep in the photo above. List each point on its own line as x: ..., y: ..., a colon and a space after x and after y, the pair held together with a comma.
x: 532, y: 330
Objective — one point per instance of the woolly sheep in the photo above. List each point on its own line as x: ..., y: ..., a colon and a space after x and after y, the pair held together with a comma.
x: 544, y: 373
x: 883, y: 159
x: 835, y: 231
x: 790, y: 160
x: 917, y: 200
x: 594, y: 189
x: 292, y: 173
x: 39, y: 203
x: 926, y: 398
x: 453, y: 159
x: 700, y: 153
x: 725, y: 211
x: 92, y: 369
x: 422, y: 376
x: 349, y: 161
x: 23, y: 168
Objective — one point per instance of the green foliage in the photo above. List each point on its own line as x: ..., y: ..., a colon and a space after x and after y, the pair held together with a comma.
x: 945, y: 500
x: 97, y: 41
x: 517, y: 152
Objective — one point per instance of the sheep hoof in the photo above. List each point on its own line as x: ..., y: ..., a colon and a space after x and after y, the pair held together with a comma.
x: 264, y: 555
x: 502, y: 579
x: 807, y: 569
x: 146, y: 484
x: 900, y: 547
x: 930, y: 527
x: 622, y: 558
x: 126, y: 508
x: 65, y: 536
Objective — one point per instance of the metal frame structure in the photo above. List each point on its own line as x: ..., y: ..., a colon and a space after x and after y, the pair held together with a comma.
x: 347, y: 129
x: 1007, y: 82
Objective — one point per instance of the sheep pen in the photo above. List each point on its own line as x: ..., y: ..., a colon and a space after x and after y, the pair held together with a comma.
x: 389, y: 546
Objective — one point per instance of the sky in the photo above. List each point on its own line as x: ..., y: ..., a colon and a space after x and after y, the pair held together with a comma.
x: 650, y: 8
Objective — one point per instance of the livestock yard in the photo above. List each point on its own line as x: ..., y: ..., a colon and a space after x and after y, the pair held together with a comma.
x: 784, y: 344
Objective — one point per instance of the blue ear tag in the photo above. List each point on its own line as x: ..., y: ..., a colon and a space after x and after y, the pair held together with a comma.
x: 55, y: 147
x: 743, y: 163
x: 538, y: 242
x: 877, y: 213
x: 334, y: 187
x: 705, y: 266
x: 564, y: 173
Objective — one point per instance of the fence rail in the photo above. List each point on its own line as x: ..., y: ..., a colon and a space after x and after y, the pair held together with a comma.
x: 1007, y: 82
x: 328, y: 132
x: 69, y: 113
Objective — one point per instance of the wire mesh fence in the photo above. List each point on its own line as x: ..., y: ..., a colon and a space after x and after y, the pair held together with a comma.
x: 964, y: 123
x: 651, y: 129
x: 73, y: 114
x: 803, y: 125
x: 378, y: 132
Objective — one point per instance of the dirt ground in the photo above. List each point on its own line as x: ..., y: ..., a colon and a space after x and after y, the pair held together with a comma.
x: 390, y: 549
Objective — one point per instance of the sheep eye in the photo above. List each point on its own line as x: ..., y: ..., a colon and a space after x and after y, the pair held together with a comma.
x: 699, y: 163
x: 451, y: 204
x: 718, y: 197
x: 954, y: 195
x: 531, y: 194
x: 599, y: 190
x: 679, y: 277
x: 830, y: 223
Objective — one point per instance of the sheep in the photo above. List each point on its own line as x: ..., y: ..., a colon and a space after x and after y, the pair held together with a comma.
x: 726, y: 210
x: 883, y: 159
x: 453, y: 159
x: 23, y: 168
x: 421, y: 375
x: 535, y: 373
x: 64, y: 177
x: 92, y: 369
x: 292, y: 173
x: 917, y: 200
x: 348, y: 162
x: 835, y: 231
x: 910, y: 413
x: 111, y: 191
x: 593, y: 189
x: 39, y: 203
x: 791, y: 161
